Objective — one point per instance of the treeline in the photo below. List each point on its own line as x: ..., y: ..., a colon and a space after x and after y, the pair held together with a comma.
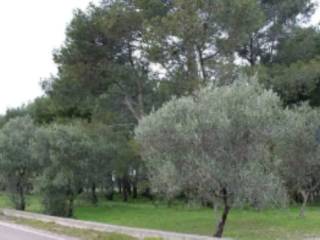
x: 123, y: 59
x: 62, y: 160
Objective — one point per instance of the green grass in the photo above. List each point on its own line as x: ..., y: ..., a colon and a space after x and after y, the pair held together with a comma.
x: 33, y: 203
x: 242, y: 224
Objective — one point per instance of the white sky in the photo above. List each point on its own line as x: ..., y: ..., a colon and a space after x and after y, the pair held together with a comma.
x: 30, y: 30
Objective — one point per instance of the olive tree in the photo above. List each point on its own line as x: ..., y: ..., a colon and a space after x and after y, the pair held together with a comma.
x: 215, y: 145
x: 299, y: 149
x: 62, y: 151
x: 17, y: 166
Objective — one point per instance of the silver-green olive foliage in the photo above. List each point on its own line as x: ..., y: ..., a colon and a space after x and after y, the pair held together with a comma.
x: 218, y: 144
x: 63, y: 151
x: 299, y: 149
x: 17, y: 166
x: 221, y: 140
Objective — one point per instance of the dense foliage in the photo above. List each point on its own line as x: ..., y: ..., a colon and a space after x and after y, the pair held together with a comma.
x: 17, y: 166
x: 216, y: 137
x: 216, y: 145
x: 299, y: 148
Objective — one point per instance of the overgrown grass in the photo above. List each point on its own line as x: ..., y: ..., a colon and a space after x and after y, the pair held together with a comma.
x: 242, y: 224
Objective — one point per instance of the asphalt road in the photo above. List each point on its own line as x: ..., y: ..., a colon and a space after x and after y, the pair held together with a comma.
x: 10, y: 231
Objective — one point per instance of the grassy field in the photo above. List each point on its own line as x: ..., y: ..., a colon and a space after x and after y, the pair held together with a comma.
x: 242, y: 224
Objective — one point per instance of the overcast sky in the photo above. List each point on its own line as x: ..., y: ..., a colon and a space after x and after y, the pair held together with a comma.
x: 30, y: 30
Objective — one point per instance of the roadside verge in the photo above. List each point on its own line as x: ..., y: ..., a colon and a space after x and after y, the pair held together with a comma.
x: 134, y: 232
x: 16, y: 231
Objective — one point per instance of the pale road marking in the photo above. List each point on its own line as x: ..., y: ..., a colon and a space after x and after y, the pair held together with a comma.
x: 33, y: 231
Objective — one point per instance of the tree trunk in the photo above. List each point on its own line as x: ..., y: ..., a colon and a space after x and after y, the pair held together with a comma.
x: 94, y: 198
x: 201, y: 62
x: 135, y: 191
x: 147, y: 193
x: 125, y: 194
x: 305, y: 196
x: 109, y: 189
x: 119, y: 181
x: 69, y: 210
x: 252, y: 57
x: 21, y: 204
x: 125, y: 188
x: 226, y: 209
x: 109, y: 195
x: 128, y: 185
x: 192, y: 69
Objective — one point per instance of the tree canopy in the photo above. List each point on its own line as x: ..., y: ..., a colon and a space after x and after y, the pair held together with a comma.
x: 17, y: 164
x: 218, y: 144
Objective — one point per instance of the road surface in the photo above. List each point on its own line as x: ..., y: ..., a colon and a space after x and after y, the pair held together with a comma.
x: 10, y: 231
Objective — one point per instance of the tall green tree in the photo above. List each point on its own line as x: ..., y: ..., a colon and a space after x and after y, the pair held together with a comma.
x: 194, y: 39
x: 294, y: 71
x: 104, y: 76
x: 195, y: 42
x: 100, y: 60
x: 279, y: 18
